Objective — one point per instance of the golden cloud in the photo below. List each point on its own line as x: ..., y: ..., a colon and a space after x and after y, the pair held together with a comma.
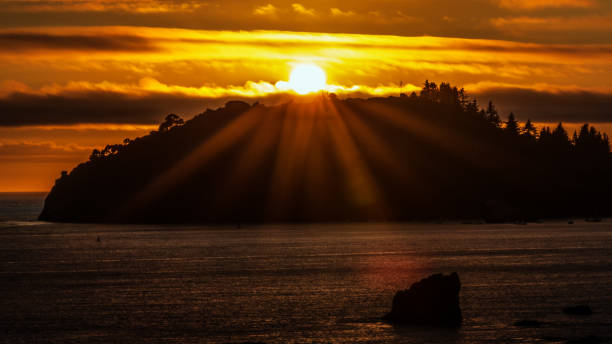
x: 340, y: 13
x: 187, y: 70
x: 524, y: 24
x: 135, y: 6
x: 299, y: 8
x: 265, y: 10
x: 537, y: 4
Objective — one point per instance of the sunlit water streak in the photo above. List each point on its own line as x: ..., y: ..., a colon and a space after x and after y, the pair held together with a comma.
x: 293, y: 283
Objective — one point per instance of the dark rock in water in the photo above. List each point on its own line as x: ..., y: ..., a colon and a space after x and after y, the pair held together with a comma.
x: 433, y: 301
x: 528, y: 323
x: 578, y: 310
x: 585, y: 340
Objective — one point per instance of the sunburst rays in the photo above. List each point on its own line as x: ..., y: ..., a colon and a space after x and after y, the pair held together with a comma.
x: 311, y: 153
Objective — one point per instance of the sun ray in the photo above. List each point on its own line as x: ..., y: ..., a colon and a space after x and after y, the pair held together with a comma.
x: 452, y: 141
x: 361, y: 186
x: 381, y: 150
x: 292, y: 150
x: 213, y: 146
x: 261, y: 140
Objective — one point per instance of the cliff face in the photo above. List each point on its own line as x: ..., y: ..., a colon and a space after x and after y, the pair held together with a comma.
x: 330, y: 160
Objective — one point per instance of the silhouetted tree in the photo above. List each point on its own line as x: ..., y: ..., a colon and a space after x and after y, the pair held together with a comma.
x: 95, y: 155
x: 529, y: 129
x: 472, y: 108
x: 425, y: 91
x: 463, y: 99
x: 560, y: 134
x: 449, y: 94
x: 512, y: 126
x: 170, y: 122
x: 492, y: 115
x: 545, y: 134
x: 591, y: 143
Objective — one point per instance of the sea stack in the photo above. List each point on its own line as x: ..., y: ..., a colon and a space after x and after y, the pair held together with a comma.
x: 433, y: 301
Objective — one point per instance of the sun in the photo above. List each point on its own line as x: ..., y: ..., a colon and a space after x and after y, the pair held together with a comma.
x: 307, y: 78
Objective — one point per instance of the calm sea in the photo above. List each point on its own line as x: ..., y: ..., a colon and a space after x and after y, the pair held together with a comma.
x: 292, y: 283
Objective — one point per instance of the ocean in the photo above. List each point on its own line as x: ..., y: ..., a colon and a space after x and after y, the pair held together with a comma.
x: 288, y: 283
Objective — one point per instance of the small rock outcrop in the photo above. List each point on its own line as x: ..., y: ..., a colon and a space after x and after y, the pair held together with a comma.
x: 578, y: 310
x: 433, y: 301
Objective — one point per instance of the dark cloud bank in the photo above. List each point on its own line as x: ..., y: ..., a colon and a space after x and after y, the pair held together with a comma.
x: 11, y: 41
x: 23, y: 41
x: 566, y: 106
x: 92, y: 107
x: 20, y: 109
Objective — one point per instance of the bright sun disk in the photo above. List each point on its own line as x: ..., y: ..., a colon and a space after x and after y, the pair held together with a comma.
x: 307, y: 78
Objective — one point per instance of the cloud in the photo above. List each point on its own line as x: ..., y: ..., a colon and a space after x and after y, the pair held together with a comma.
x: 134, y: 6
x: 524, y: 24
x: 86, y: 127
x: 265, y: 10
x: 178, y: 44
x: 145, y: 103
x: 24, y: 41
x: 78, y: 77
x: 340, y: 13
x: 150, y: 101
x: 223, y: 58
x: 34, y: 165
x: 220, y: 59
x: 554, y: 105
x: 16, y: 151
x: 538, y: 4
x: 92, y: 107
x: 303, y: 10
x: 395, y: 17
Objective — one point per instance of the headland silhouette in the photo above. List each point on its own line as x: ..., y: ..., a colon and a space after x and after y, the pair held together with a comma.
x: 427, y: 156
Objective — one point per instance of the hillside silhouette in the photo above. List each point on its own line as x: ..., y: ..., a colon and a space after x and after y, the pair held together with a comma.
x: 431, y: 155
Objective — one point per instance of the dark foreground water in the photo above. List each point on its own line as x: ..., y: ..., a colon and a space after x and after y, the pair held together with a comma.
x: 293, y: 283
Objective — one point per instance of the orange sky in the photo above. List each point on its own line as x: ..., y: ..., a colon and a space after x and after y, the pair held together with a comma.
x: 75, y: 75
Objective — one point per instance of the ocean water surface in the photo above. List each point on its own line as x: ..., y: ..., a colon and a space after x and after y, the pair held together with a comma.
x: 285, y: 283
